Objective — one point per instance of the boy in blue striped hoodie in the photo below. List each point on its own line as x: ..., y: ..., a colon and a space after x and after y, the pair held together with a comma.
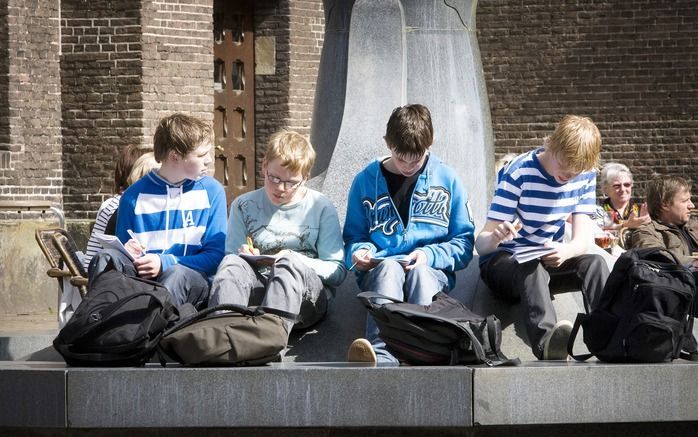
x: 412, y: 205
x: 542, y: 189
x: 173, y: 220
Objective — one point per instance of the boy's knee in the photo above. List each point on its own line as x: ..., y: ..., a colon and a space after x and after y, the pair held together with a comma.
x: 389, y: 267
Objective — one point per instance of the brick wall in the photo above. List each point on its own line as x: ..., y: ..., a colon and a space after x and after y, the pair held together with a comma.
x: 631, y: 66
x: 102, y: 103
x: 177, y: 61
x: 30, y: 149
x: 285, y: 99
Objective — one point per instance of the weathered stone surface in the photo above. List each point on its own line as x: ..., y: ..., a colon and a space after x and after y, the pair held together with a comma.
x: 546, y: 393
x: 325, y: 395
x: 32, y: 395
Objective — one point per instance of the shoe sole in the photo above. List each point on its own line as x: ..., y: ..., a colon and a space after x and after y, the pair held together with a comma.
x: 361, y: 351
x: 555, y: 347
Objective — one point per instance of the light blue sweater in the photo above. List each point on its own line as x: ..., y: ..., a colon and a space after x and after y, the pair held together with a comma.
x: 309, y: 227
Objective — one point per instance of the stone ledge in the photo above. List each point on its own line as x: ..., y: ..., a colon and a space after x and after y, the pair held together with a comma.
x: 344, y: 395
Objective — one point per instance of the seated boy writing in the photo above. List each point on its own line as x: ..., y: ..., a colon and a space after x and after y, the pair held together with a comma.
x: 173, y: 219
x: 541, y: 189
x: 297, y: 226
x: 412, y: 204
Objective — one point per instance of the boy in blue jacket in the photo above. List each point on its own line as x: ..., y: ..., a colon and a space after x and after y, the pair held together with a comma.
x: 173, y: 220
x: 410, y: 204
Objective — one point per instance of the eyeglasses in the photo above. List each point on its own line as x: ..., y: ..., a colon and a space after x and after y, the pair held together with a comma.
x: 623, y: 185
x: 287, y: 185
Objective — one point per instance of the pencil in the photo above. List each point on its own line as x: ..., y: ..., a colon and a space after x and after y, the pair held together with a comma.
x: 249, y: 243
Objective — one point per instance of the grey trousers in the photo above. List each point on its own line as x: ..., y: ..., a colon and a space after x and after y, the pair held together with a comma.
x: 184, y: 284
x: 291, y: 286
x: 531, y: 282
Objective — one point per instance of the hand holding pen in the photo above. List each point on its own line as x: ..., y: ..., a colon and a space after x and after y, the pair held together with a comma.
x: 507, y: 231
x: 361, y: 260
x: 248, y: 247
x: 134, y: 246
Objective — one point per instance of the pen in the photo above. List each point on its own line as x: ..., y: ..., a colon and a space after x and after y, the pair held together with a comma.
x: 249, y: 243
x: 133, y: 235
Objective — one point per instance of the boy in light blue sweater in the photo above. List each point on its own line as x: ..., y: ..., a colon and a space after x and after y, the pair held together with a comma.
x: 297, y: 226
x: 409, y: 203
x: 173, y: 219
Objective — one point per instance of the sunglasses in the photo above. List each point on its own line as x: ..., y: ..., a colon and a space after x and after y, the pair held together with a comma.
x: 623, y: 185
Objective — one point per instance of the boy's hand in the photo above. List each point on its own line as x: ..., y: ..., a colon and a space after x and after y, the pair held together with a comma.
x: 148, y: 266
x: 361, y: 260
x: 419, y: 257
x: 247, y: 250
x: 562, y: 253
x: 506, y: 231
x: 134, y: 248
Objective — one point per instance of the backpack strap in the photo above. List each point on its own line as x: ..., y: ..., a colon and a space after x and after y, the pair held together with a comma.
x: 501, y: 359
x: 367, y: 297
x: 573, y: 336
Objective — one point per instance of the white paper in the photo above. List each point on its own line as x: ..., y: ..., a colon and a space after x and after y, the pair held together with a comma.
x: 523, y: 254
x: 404, y: 260
x: 112, y: 242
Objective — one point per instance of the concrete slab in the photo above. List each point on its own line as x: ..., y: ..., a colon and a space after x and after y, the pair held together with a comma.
x: 32, y: 395
x: 287, y: 395
x: 555, y: 393
x: 18, y: 345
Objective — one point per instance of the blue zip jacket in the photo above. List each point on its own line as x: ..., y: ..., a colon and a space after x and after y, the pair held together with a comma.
x: 185, y: 224
x: 439, y: 222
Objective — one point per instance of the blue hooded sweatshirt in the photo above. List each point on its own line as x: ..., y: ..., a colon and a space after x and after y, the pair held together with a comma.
x: 439, y: 222
x: 184, y: 224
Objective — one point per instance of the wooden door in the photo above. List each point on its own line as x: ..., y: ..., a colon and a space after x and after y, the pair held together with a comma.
x: 233, y: 84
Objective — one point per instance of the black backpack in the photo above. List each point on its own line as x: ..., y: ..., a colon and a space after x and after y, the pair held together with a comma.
x: 118, y: 323
x: 446, y: 332
x: 644, y: 311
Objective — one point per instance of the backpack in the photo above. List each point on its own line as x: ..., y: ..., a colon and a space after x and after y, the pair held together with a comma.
x: 446, y: 332
x: 643, y: 313
x: 118, y: 323
x: 227, y: 335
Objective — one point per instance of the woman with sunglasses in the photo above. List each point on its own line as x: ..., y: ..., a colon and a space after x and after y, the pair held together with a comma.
x: 621, y: 209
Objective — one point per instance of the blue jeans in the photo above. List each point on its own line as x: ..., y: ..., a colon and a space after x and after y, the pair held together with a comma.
x: 416, y: 286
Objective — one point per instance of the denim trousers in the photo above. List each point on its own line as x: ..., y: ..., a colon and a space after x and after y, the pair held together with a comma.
x: 416, y: 286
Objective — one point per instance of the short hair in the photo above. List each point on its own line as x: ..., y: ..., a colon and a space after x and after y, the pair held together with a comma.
x: 180, y: 133
x: 409, y: 131
x: 577, y: 141
x: 127, y: 157
x: 661, y: 191
x: 293, y: 150
x: 612, y: 170
x: 142, y: 166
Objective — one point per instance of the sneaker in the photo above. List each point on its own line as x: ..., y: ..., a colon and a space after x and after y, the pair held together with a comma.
x: 361, y: 351
x: 555, y: 345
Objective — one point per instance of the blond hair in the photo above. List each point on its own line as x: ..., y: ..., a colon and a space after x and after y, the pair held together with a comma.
x: 293, y: 151
x: 142, y: 166
x: 576, y: 142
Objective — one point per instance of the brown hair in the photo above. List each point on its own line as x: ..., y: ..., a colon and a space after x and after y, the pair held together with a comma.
x: 293, y: 150
x: 661, y: 191
x: 409, y: 131
x: 127, y: 158
x: 181, y: 133
x: 576, y: 142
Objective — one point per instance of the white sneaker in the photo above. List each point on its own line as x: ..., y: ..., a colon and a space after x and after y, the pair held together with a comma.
x: 555, y: 345
x: 361, y: 351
